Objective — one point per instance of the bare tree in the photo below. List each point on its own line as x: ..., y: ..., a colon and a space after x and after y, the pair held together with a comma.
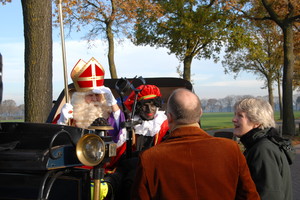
x: 7, y: 108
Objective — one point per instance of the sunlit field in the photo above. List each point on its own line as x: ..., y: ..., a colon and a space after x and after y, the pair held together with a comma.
x: 12, y: 120
x: 211, y: 121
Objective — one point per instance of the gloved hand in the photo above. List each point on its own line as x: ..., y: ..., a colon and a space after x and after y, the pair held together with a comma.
x: 66, y: 114
x: 103, y: 190
x: 110, y: 99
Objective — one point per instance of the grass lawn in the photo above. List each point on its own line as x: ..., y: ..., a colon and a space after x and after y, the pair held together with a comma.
x: 12, y: 120
x: 214, y: 121
x: 211, y: 121
x: 221, y: 120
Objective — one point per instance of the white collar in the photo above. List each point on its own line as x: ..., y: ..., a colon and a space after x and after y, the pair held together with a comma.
x: 150, y: 127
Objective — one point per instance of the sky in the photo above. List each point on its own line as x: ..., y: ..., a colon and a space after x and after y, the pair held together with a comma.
x: 208, y: 77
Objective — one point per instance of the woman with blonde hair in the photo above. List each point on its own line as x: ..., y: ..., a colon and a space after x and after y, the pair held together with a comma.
x: 254, y: 124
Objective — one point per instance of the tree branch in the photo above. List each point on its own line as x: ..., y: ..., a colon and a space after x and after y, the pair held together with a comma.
x: 295, y: 18
x: 272, y: 13
x: 291, y: 9
x: 246, y: 15
x: 210, y: 3
x: 98, y: 8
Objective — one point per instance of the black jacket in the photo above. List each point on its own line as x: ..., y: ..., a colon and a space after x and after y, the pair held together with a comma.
x: 268, y: 165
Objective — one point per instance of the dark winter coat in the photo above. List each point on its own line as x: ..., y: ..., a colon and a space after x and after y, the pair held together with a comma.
x: 268, y: 165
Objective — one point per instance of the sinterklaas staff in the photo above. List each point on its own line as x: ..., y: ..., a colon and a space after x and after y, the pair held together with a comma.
x: 62, y: 35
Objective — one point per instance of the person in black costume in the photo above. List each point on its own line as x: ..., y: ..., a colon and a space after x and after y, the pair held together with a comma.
x: 151, y: 131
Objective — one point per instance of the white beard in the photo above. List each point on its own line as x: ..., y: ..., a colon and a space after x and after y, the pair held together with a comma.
x: 85, y: 113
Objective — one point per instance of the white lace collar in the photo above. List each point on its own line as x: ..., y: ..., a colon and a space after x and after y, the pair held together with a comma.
x: 150, y: 127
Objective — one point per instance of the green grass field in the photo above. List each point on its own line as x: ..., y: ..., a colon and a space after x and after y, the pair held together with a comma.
x: 211, y: 121
x: 12, y: 120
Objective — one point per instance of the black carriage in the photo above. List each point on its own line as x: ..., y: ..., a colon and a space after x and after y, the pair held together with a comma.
x: 40, y: 160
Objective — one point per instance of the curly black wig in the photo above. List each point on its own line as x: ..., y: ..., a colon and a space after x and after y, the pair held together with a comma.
x: 156, y: 101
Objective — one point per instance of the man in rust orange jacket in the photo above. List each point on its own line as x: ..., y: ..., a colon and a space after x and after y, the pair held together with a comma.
x: 190, y: 164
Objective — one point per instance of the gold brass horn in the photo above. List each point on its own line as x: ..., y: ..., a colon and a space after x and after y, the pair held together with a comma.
x: 90, y: 150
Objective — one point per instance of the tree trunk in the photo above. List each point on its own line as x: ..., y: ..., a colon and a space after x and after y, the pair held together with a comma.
x: 37, y: 19
x: 279, y: 98
x: 288, y: 123
x: 270, y: 92
x: 1, y: 84
x: 111, y: 50
x: 187, y: 62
